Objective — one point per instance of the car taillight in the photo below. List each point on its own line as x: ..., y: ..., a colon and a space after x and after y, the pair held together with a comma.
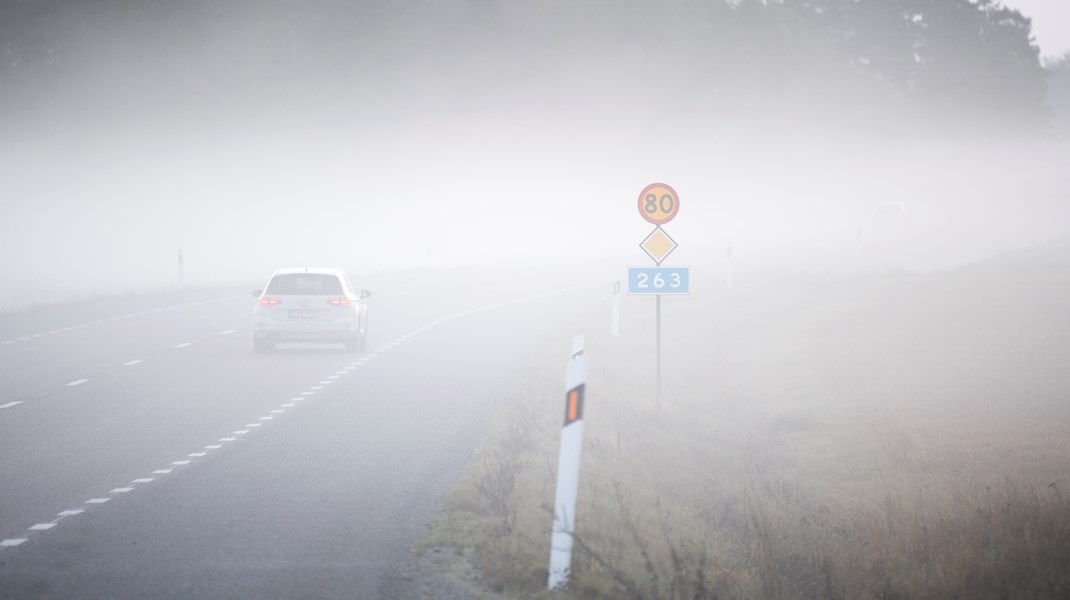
x: 266, y: 301
x: 338, y: 301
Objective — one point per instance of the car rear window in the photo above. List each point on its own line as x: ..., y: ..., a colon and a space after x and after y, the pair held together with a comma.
x: 304, y: 284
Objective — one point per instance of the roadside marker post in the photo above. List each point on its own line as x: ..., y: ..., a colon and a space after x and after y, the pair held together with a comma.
x: 568, y: 470
x: 616, y: 309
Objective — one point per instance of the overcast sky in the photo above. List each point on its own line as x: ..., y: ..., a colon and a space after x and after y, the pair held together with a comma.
x: 1051, y: 23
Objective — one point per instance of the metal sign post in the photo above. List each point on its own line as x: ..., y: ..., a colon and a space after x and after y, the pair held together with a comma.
x: 658, y: 204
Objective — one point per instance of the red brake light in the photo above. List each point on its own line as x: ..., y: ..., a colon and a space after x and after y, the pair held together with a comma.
x: 343, y: 301
x: 266, y: 301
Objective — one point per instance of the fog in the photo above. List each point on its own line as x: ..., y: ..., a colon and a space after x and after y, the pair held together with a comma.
x: 380, y: 136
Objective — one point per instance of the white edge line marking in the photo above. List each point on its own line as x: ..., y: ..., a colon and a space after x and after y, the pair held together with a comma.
x: 77, y: 382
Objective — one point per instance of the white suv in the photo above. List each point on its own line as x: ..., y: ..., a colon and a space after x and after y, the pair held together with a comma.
x: 310, y: 305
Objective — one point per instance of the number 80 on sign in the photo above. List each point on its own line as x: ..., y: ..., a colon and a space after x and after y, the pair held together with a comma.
x: 659, y: 280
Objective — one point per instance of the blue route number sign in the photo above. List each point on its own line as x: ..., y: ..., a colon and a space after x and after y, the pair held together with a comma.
x: 659, y: 280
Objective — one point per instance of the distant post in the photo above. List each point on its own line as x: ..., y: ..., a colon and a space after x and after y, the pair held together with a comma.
x: 728, y: 266
x: 181, y: 269
x: 616, y: 309
x: 568, y: 470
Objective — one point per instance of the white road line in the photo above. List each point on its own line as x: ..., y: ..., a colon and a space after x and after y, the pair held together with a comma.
x: 22, y: 339
x: 71, y: 513
x: 53, y: 332
x: 213, y: 447
x: 227, y: 332
x: 227, y: 439
x: 337, y: 373
x: 316, y: 387
x: 307, y: 393
x: 142, y: 480
x: 241, y: 432
x: 288, y: 405
x: 131, y: 363
x: 265, y: 419
x: 297, y: 399
x: 12, y: 542
x: 182, y: 345
x: 179, y: 463
x: 161, y: 471
x: 97, y: 500
x: 325, y: 382
x: 196, y: 454
x: 42, y: 526
x: 77, y: 382
x: 122, y: 490
x: 11, y: 404
x: 253, y: 424
x: 277, y: 412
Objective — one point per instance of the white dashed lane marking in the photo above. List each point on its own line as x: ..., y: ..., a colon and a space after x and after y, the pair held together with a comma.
x: 42, y: 526
x: 182, y: 345
x: 227, y: 332
x: 77, y: 382
x: 179, y: 463
x: 11, y: 404
x: 143, y: 480
x: 97, y: 500
x: 71, y: 513
x: 122, y: 490
x: 11, y: 543
x: 131, y: 363
x: 161, y: 471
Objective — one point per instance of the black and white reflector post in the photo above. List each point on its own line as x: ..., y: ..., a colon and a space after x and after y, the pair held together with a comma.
x: 568, y: 469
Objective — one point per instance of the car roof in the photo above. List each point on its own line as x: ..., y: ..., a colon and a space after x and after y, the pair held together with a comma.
x: 313, y: 270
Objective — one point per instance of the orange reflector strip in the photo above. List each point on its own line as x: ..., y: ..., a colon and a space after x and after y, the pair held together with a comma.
x: 574, y: 404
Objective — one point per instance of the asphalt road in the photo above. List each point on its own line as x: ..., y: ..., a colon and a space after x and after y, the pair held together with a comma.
x: 146, y: 451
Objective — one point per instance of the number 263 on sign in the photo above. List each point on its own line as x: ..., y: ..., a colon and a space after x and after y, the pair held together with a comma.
x: 659, y: 280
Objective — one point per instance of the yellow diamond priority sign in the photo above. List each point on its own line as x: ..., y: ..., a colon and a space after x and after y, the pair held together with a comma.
x: 658, y: 245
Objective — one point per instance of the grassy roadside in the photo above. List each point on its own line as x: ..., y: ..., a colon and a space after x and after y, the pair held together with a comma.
x: 902, y: 437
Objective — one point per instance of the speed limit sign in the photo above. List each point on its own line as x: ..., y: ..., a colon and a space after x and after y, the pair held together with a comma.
x: 658, y: 203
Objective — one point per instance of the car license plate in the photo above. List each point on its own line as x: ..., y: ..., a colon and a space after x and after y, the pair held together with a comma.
x: 304, y: 314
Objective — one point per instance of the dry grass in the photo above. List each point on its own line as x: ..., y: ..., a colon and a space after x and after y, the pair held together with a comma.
x: 818, y: 438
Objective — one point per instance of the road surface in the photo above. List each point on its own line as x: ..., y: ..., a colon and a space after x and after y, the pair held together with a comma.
x: 146, y: 451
